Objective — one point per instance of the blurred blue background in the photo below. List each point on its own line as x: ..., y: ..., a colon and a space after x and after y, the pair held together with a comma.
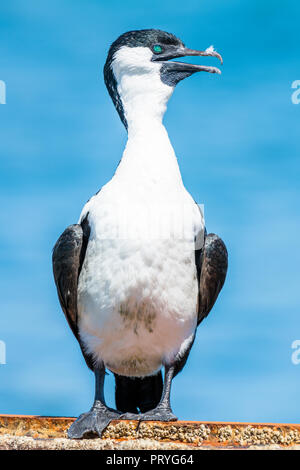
x: 237, y: 141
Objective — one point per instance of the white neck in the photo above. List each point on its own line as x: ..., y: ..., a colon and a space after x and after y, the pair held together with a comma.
x: 148, y: 153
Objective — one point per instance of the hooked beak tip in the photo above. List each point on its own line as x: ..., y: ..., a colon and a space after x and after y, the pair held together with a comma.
x: 209, y: 52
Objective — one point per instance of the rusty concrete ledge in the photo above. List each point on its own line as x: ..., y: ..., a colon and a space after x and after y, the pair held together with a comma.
x: 50, y: 432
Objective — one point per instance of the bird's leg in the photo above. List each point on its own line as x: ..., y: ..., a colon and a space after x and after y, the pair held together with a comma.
x: 163, y: 411
x: 99, y: 416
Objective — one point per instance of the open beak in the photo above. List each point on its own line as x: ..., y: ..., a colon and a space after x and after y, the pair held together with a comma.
x: 188, y: 69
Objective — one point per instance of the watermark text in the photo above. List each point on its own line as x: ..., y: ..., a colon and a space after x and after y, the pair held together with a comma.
x: 296, y: 94
x: 296, y: 354
x: 2, y: 352
x: 2, y: 92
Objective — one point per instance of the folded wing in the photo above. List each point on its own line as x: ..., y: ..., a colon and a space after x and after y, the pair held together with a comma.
x: 67, y: 259
x: 211, y: 263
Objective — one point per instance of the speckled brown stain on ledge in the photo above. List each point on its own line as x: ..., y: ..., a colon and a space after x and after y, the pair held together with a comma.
x: 196, y: 434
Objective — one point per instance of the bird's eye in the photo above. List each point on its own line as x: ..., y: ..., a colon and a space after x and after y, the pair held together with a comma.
x: 157, y: 49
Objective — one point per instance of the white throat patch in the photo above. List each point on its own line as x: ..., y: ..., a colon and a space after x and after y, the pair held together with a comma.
x: 141, y: 90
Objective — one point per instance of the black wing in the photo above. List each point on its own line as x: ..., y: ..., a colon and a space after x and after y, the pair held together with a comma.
x: 67, y: 259
x: 211, y: 263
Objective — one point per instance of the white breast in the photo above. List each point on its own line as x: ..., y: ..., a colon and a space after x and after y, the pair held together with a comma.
x: 137, y: 293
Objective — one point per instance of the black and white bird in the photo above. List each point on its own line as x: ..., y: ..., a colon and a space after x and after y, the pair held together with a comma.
x: 138, y: 273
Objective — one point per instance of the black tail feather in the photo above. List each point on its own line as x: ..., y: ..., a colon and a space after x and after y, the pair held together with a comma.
x: 134, y: 394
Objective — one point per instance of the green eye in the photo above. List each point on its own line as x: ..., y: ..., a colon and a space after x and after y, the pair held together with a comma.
x: 157, y: 49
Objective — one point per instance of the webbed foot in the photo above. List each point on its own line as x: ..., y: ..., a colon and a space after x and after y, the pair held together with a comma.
x: 160, y: 413
x: 93, y: 422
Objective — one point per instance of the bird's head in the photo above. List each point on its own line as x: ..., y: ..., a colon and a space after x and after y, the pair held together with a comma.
x: 140, y: 75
